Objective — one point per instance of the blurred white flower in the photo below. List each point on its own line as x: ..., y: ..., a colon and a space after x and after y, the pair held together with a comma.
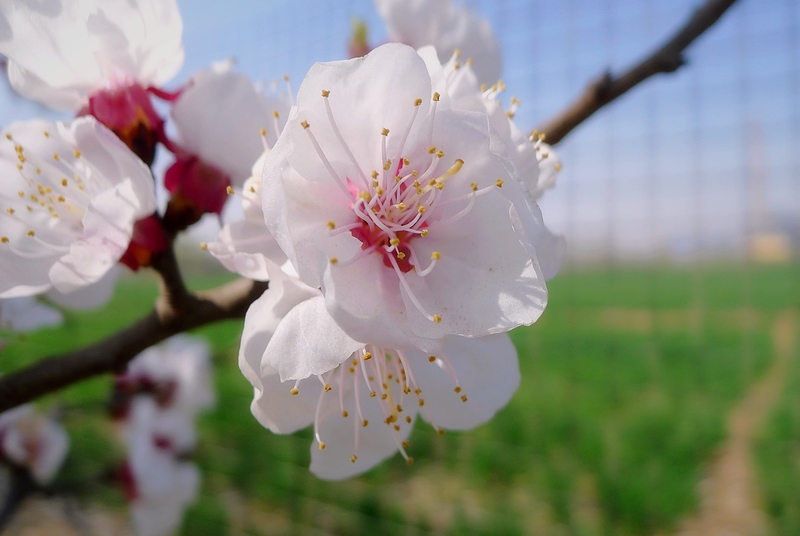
x: 71, y: 195
x: 96, y: 57
x: 62, y: 52
x: 362, y: 399
x: 185, y: 361
x: 33, y: 441
x: 448, y: 28
x: 159, y: 485
x: 401, y: 208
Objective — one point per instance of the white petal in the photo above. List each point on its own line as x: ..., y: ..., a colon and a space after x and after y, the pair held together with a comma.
x: 277, y: 409
x: 488, y: 374
x: 263, y: 317
x: 90, y: 297
x: 376, y: 442
x: 247, y: 249
x: 108, y: 224
x: 219, y: 118
x: 308, y: 342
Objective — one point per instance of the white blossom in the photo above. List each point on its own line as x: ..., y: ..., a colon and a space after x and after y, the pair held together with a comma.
x: 33, y: 441
x: 63, y: 51
x: 71, y: 195
x: 402, y: 209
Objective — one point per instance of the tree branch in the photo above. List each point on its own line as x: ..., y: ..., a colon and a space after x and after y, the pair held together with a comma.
x: 608, y: 87
x: 113, y: 353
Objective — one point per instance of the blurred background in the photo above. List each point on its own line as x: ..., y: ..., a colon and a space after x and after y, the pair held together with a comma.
x: 660, y: 390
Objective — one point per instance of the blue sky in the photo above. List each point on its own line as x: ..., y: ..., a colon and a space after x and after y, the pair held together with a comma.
x: 683, y: 164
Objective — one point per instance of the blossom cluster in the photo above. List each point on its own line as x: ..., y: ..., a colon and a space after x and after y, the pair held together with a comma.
x: 391, y: 204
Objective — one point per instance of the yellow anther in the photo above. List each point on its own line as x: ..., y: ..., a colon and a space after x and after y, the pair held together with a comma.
x: 400, y: 206
x: 372, y: 394
x: 327, y: 388
x: 387, y: 165
x: 331, y: 225
x: 77, y: 153
x: 229, y: 189
x: 440, y: 153
x: 441, y: 431
x: 384, y: 132
x: 46, y: 134
x: 499, y: 183
x: 353, y: 458
x: 364, y: 423
x: 61, y: 198
x: 415, y: 173
x: 408, y: 419
x: 510, y: 115
x: 470, y: 62
x: 384, y: 396
x: 325, y: 93
x: 394, y: 242
x: 55, y: 156
x: 321, y: 445
x: 204, y: 246
x: 557, y: 167
x: 34, y: 198
x: 8, y: 136
x: 545, y: 155
x: 285, y: 77
x: 421, y: 210
x: 263, y: 132
x: 20, y: 166
x: 345, y: 414
x: 406, y: 443
x: 436, y: 96
x: 432, y: 149
x: 406, y: 162
x: 304, y: 124
x: 275, y: 114
x: 417, y: 391
x: 431, y: 358
x: 294, y: 390
x: 366, y: 196
x: 436, y: 255
x: 31, y: 233
x: 333, y: 260
x: 379, y: 190
x: 424, y: 233
x: 37, y: 171
x: 374, y: 174
x: 437, y: 319
x: 399, y: 408
x: 456, y: 66
x: 21, y: 157
x: 542, y: 136
x: 417, y: 102
x: 4, y: 240
x: 463, y: 398
x: 397, y: 427
x: 421, y: 402
x: 401, y: 255
x: 10, y: 210
x: 474, y: 186
x: 457, y: 390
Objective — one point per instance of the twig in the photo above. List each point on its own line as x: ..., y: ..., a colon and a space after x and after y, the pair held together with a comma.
x: 608, y: 87
x: 113, y: 353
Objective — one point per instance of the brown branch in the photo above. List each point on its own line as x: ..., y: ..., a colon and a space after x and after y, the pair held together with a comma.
x: 608, y: 87
x: 113, y: 353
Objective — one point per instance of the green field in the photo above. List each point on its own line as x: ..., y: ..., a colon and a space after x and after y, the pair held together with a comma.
x: 627, y: 382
